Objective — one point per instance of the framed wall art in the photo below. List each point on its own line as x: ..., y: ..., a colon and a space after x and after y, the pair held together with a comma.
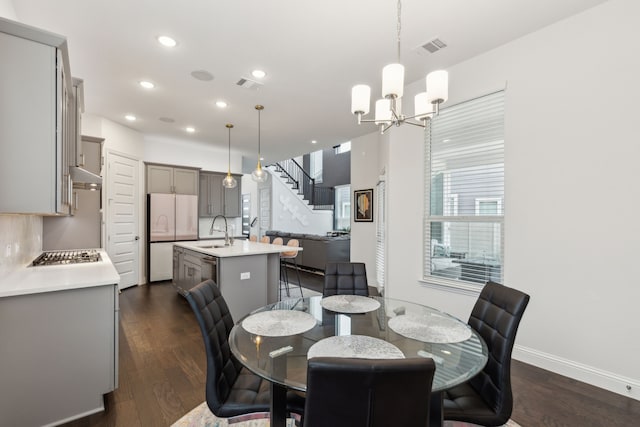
x: 363, y: 202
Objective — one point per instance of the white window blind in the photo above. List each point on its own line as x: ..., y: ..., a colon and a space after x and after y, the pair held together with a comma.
x: 464, y: 192
x: 380, y: 234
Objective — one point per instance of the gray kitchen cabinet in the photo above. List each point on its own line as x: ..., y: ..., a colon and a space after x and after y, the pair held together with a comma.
x: 189, y: 269
x: 37, y: 138
x: 232, y: 200
x: 214, y: 199
x: 210, y: 200
x: 60, y: 352
x: 170, y: 179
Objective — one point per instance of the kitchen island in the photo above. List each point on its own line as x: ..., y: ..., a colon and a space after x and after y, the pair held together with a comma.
x: 247, y: 273
x: 59, y: 351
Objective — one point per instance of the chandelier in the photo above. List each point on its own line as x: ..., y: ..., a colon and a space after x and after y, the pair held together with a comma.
x: 388, y: 110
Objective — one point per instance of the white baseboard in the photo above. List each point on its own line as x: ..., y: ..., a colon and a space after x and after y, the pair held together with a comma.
x: 597, y: 377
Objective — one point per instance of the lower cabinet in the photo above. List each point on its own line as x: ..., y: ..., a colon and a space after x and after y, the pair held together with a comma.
x: 191, y: 268
x: 59, y: 354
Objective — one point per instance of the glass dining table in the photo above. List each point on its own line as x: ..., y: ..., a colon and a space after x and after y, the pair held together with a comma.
x: 276, y: 341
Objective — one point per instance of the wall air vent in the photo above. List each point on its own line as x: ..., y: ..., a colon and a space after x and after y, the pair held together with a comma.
x: 434, y: 45
x: 249, y: 84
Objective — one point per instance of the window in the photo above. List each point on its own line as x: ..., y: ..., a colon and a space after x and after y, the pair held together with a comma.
x: 342, y: 208
x: 380, y: 235
x: 464, y: 193
x: 345, y: 147
x: 315, y: 166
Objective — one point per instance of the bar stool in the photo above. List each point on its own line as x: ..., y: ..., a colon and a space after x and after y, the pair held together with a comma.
x: 284, y: 263
x: 253, y: 238
x: 266, y: 239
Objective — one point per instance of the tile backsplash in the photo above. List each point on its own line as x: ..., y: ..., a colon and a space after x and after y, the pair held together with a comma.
x: 20, y: 240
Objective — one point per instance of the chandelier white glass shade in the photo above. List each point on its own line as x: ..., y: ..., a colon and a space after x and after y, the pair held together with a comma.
x: 388, y: 111
x: 259, y: 174
x: 229, y: 181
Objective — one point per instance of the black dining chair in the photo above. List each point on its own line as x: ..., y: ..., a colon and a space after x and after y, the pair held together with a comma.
x: 487, y: 399
x: 345, y: 278
x: 231, y: 389
x: 349, y: 392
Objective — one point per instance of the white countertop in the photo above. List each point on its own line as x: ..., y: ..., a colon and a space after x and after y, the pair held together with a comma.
x: 239, y: 248
x: 31, y: 280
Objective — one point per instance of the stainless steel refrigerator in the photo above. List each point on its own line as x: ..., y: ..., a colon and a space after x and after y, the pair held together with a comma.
x: 170, y: 218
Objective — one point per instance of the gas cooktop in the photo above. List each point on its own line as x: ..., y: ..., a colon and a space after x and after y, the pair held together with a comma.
x: 67, y: 257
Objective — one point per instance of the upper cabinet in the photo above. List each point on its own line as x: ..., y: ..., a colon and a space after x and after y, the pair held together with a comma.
x: 37, y: 134
x: 169, y: 179
x: 215, y: 199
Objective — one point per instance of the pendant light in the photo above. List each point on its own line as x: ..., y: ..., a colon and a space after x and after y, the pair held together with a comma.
x: 259, y: 174
x: 229, y: 181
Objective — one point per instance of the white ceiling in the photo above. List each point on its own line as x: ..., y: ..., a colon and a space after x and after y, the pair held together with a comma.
x: 313, y: 52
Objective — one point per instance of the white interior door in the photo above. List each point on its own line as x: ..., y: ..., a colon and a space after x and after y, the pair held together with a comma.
x: 265, y: 210
x: 123, y: 242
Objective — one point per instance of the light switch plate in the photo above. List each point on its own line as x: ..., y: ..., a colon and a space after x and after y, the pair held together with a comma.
x: 245, y: 276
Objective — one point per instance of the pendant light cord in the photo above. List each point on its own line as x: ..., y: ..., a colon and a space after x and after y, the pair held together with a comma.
x: 399, y: 28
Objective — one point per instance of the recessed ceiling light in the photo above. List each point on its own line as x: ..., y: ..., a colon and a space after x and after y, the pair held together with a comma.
x: 314, y: 142
x: 262, y: 159
x: 130, y: 117
x: 258, y: 74
x: 221, y: 104
x: 147, y: 84
x: 167, y: 41
x: 190, y: 129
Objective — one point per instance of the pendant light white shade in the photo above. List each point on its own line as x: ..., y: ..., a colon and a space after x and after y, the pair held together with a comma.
x: 360, y: 99
x: 229, y: 181
x: 383, y: 111
x: 422, y: 107
x: 259, y: 174
x: 393, y: 80
x: 437, y: 86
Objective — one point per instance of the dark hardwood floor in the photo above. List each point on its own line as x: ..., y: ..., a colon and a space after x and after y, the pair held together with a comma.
x: 162, y: 373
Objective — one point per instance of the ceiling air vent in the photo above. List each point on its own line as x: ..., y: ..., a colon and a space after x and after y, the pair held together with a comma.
x: 434, y: 45
x: 249, y: 84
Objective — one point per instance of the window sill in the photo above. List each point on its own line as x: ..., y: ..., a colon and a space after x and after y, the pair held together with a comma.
x: 452, y: 286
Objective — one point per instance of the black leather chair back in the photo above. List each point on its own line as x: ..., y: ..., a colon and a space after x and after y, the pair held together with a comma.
x: 215, y: 322
x: 231, y: 389
x: 345, y: 278
x: 345, y: 392
x: 496, y: 317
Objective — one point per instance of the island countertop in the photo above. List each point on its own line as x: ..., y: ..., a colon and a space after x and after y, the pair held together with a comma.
x: 239, y: 248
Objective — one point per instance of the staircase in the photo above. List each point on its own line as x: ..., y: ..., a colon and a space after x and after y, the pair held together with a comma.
x: 318, y: 197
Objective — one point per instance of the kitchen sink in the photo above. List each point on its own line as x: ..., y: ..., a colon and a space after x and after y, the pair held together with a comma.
x: 212, y: 246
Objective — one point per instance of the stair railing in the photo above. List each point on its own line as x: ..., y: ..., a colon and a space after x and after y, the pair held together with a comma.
x: 300, y: 180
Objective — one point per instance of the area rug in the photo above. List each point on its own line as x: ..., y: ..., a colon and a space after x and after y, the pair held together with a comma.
x: 201, y: 416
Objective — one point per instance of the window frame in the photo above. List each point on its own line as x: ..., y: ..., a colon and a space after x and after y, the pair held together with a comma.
x: 456, y: 284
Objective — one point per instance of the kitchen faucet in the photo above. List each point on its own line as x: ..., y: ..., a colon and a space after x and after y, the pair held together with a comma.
x: 226, y: 228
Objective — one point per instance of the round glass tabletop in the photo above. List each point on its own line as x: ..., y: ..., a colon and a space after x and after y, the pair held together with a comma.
x: 283, y: 359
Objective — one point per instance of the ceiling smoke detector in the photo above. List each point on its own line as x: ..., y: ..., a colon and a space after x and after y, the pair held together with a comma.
x: 249, y: 84
x: 434, y: 45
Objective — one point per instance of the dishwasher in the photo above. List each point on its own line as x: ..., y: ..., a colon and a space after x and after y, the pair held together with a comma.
x: 209, y: 268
